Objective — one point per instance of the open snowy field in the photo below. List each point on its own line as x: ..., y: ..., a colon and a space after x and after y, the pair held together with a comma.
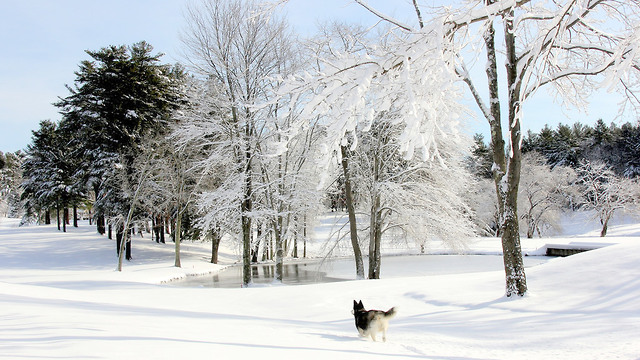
x: 60, y: 298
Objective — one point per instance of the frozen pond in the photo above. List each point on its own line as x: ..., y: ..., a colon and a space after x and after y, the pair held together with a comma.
x: 342, y: 269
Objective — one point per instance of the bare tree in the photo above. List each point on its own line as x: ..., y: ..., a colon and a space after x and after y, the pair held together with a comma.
x: 542, y: 192
x: 604, y: 192
x: 238, y: 49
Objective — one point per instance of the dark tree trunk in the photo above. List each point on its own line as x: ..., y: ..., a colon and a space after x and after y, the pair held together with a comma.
x: 215, y: 245
x: 58, y: 215
x: 127, y: 246
x: 256, y: 245
x: 118, y: 240
x: 246, y: 207
x: 100, y: 221
x: 247, y: 204
x: 353, y: 229
x: 277, y: 233
x: 375, y: 239
x: 304, y: 237
x: 100, y: 225
x: 65, y: 220
x: 161, y: 228
x: 295, y: 237
x: 155, y: 233
x: 605, y: 225
x: 75, y: 215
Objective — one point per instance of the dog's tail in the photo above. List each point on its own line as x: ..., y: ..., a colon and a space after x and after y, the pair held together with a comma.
x: 390, y: 313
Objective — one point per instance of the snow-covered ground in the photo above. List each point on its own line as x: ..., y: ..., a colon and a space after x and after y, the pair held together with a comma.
x: 61, y: 298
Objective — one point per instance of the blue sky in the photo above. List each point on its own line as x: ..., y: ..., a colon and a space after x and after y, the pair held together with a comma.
x: 43, y: 41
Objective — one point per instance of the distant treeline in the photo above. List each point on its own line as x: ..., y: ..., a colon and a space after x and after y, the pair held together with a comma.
x: 618, y: 146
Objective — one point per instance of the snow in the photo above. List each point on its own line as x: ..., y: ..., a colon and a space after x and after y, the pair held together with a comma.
x: 60, y: 297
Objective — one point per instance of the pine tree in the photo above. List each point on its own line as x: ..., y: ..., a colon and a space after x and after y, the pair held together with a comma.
x: 11, y: 204
x: 119, y: 95
x: 49, y: 173
x: 481, y: 160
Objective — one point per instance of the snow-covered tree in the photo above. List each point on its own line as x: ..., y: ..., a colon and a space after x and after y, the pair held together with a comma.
x: 202, y: 132
x: 409, y: 198
x: 573, y: 46
x: 239, y: 50
x: 604, y: 192
x: 119, y: 96
x: 336, y: 40
x: 482, y: 200
x: 169, y: 186
x: 543, y: 193
x: 352, y: 86
x: 11, y: 204
x: 48, y: 173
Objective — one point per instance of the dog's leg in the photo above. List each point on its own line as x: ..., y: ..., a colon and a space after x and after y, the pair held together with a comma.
x: 373, y: 335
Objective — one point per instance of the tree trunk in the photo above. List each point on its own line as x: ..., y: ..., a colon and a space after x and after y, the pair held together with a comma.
x: 279, y: 249
x: 154, y: 233
x: 304, y: 239
x: 246, y: 232
x: 178, y: 236
x: 516, y: 282
x: 119, y: 246
x: 65, y: 218
x: 295, y: 237
x: 215, y: 245
x: 531, y: 225
x: 161, y: 228
x: 75, y: 215
x: 506, y: 176
x: 100, y: 225
x: 128, y: 245
x: 256, y: 246
x: 58, y: 215
x: 100, y: 221
x: 353, y: 229
x: 605, y: 225
x: 375, y: 238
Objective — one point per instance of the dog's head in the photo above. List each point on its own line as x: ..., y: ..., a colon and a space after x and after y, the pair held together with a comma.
x: 357, y: 306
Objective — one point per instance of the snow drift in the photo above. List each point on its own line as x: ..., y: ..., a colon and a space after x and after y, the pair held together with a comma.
x: 61, y: 298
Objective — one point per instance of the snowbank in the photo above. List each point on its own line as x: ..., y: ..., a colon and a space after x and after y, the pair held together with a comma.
x: 61, y: 298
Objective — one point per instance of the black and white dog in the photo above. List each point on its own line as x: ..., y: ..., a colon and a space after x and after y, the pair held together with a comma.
x: 370, y: 322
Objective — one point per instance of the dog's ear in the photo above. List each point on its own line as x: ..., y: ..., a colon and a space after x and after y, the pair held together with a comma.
x: 362, y: 306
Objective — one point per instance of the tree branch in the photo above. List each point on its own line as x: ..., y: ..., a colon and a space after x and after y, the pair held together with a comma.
x: 384, y: 17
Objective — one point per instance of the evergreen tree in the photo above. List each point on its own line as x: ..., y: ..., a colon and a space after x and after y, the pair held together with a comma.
x: 48, y: 173
x: 569, y: 145
x: 119, y: 96
x: 629, y: 145
x: 10, y: 179
x: 481, y: 160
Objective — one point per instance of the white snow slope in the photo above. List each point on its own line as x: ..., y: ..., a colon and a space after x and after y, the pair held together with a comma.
x: 60, y: 298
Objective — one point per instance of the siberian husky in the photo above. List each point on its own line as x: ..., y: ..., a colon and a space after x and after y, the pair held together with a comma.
x: 370, y: 322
